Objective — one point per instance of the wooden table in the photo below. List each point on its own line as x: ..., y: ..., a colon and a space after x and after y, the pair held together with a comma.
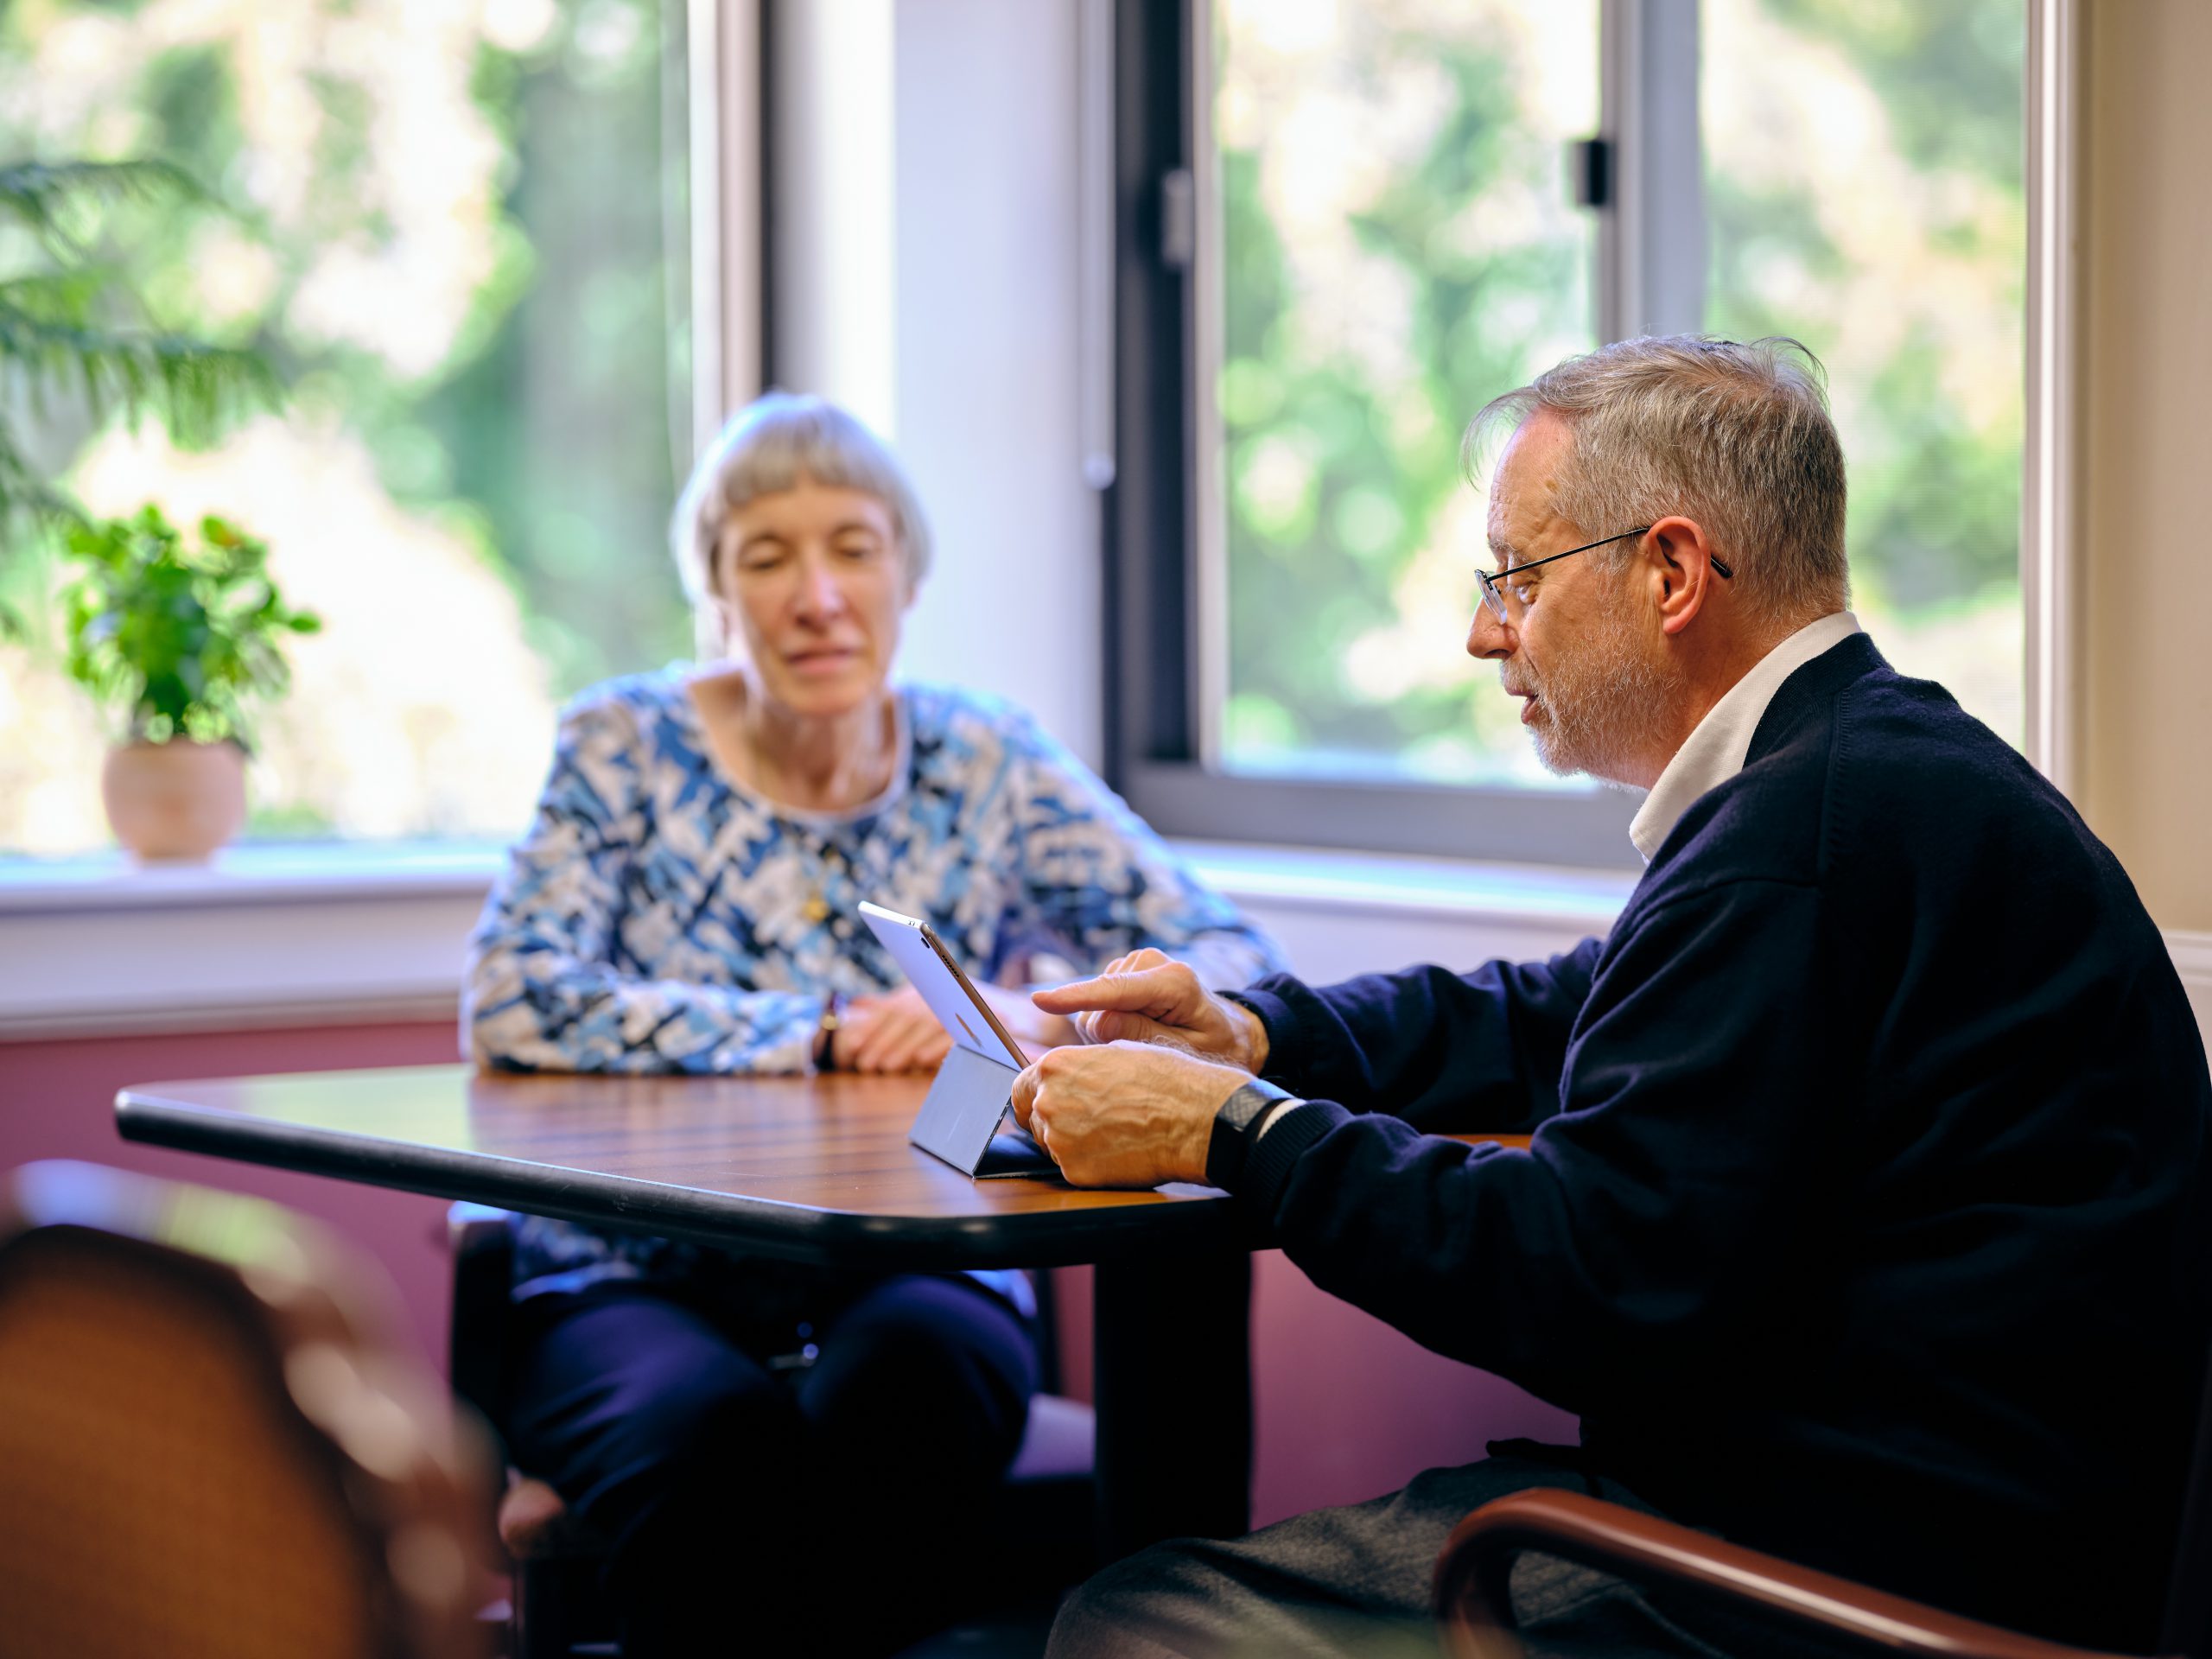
x: 810, y: 1169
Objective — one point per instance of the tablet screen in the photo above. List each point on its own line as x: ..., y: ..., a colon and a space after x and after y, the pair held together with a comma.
x: 955, y: 1002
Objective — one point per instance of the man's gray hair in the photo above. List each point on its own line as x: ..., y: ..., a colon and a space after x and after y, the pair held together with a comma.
x: 1736, y: 436
x: 766, y: 447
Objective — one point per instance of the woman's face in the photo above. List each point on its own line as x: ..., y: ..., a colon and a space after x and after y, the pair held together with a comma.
x: 813, y: 581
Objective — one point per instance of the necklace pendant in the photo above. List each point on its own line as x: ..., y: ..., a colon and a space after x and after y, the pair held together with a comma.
x: 816, y: 909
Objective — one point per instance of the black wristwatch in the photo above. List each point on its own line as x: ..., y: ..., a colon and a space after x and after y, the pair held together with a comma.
x: 1236, y: 1126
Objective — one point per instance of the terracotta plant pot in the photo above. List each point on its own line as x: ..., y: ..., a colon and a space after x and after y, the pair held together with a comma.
x: 174, y: 800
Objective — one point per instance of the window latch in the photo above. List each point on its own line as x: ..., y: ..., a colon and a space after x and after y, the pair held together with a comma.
x: 1178, y: 218
x: 1590, y: 163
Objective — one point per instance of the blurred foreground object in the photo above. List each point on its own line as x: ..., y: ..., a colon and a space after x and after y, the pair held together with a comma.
x: 208, y: 1443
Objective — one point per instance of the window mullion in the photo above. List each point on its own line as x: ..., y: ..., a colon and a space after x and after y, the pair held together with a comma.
x: 1651, y: 237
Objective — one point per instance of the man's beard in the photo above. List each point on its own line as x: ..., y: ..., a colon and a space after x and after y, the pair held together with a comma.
x: 1598, y: 700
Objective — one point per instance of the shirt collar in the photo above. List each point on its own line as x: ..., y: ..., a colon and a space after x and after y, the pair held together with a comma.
x: 1715, y: 751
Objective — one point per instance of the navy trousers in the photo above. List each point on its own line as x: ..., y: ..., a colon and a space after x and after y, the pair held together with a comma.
x: 829, y: 1509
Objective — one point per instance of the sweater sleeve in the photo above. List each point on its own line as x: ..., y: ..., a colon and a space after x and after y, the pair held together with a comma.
x: 1698, y: 1102
x: 543, y: 990
x: 1448, y: 1052
x: 1097, y: 878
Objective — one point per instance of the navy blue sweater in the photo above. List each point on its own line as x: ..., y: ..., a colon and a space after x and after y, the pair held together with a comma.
x: 1865, y: 1219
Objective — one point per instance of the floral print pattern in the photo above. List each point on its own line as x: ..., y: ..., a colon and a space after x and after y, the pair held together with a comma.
x: 658, y: 918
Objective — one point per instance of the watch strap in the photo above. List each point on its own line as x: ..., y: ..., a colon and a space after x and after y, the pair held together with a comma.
x: 1236, y: 1126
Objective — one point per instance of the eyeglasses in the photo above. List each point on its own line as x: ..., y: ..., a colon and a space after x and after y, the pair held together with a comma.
x: 1493, y: 589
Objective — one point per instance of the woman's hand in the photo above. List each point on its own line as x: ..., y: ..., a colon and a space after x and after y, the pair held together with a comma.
x: 1030, y: 1026
x: 895, y: 1032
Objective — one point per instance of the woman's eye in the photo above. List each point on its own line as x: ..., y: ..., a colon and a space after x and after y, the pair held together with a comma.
x: 857, y: 552
x: 758, y: 561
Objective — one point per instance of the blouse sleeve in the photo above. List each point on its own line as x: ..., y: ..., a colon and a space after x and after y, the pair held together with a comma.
x: 1098, y: 878
x: 542, y: 990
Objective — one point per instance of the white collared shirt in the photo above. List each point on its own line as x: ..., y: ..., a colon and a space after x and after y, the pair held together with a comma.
x: 1715, y: 751
x: 1713, y: 755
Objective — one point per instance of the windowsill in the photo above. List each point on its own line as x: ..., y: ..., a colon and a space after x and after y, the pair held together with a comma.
x: 270, y: 935
x: 1321, y: 878
x: 264, y: 935
x: 281, y: 934
x: 253, y: 873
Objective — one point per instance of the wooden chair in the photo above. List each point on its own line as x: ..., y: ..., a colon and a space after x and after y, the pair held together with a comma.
x: 206, y: 1447
x: 1041, y: 1542
x: 1476, y: 1610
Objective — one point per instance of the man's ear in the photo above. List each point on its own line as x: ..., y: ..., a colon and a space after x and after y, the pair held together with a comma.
x: 1679, y: 562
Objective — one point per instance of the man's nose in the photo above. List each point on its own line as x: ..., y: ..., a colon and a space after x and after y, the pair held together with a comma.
x: 1488, y: 639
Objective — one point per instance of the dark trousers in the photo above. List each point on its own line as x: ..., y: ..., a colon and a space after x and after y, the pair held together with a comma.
x: 758, y: 1510
x: 1355, y: 1581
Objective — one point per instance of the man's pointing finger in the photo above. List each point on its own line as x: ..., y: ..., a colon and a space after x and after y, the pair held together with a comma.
x: 1148, y: 988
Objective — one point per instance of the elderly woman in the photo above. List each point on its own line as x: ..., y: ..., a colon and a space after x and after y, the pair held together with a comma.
x: 685, y: 902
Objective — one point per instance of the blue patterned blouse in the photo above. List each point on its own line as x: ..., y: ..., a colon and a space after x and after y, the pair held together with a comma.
x: 659, y: 918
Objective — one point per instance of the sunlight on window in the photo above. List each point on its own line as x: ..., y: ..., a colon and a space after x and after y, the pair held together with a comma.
x: 1864, y: 185
x: 1398, y: 234
x: 1399, y: 246
x: 458, y: 230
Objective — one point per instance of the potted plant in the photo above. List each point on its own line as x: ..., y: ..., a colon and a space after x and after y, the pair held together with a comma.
x: 180, y: 637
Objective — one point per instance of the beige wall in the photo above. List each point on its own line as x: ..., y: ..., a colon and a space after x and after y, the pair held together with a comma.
x: 2146, y: 407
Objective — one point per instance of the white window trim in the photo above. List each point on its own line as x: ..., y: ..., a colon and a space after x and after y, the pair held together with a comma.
x: 268, y: 937
x: 2050, y: 582
x: 723, y: 40
x: 260, y: 936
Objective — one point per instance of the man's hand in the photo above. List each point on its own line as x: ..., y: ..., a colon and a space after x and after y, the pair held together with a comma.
x: 1148, y: 997
x: 1125, y: 1114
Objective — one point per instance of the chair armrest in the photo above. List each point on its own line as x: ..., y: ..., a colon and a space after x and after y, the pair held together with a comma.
x: 1473, y: 1601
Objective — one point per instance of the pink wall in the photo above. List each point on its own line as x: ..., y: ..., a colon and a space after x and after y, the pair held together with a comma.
x: 1346, y: 1408
x: 1343, y: 1407
x: 57, y: 1100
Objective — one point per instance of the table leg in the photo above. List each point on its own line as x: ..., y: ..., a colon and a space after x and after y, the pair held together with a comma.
x: 1173, y: 1382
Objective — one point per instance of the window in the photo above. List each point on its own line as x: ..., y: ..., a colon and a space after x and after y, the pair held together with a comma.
x: 462, y: 232
x: 1365, y: 222
x: 1865, y: 192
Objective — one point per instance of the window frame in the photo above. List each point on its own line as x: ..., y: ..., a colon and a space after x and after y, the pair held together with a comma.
x: 1165, y: 586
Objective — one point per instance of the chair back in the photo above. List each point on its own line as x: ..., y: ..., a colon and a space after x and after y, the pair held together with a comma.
x: 205, y: 1445
x: 2188, y: 1627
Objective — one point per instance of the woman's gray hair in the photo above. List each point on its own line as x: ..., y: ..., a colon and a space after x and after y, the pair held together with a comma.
x: 766, y: 447
x: 1736, y: 436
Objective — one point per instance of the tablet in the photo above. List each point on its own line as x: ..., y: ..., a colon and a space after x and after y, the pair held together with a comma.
x: 952, y: 996
x: 968, y: 1101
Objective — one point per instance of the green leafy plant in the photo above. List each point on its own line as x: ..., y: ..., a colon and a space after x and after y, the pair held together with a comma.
x: 71, y: 326
x: 181, y: 638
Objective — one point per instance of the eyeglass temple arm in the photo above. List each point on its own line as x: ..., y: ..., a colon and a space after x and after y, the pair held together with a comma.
x: 1489, y: 577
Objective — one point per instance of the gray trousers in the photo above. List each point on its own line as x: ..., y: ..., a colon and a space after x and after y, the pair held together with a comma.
x: 1356, y: 1580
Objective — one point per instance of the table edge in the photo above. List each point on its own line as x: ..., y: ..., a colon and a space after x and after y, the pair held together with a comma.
x: 762, y: 1226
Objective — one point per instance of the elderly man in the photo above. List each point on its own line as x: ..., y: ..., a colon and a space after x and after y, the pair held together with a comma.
x: 1865, y: 1219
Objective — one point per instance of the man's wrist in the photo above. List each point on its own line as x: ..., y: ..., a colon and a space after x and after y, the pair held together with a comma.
x: 1237, y: 1125
x: 1252, y: 1029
